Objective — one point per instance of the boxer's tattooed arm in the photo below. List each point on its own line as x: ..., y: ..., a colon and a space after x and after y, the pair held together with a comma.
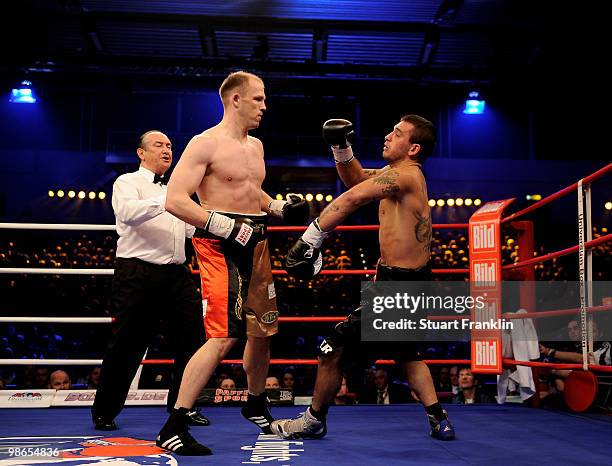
x: 370, y: 173
x: 422, y: 231
x: 328, y: 210
x: 388, y: 182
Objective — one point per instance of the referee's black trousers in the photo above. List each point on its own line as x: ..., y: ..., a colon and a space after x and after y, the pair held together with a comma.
x: 143, y: 295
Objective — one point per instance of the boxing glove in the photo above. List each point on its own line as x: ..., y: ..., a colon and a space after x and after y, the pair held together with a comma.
x: 339, y: 134
x: 304, y: 259
x: 243, y: 231
x: 293, y: 211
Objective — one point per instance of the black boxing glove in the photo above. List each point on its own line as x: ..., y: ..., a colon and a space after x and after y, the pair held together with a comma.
x: 339, y: 134
x: 243, y: 231
x: 304, y: 259
x: 294, y: 211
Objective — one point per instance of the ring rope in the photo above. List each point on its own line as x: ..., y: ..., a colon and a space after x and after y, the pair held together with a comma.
x: 104, y: 320
x: 553, y: 197
x: 588, y: 245
x: 99, y: 227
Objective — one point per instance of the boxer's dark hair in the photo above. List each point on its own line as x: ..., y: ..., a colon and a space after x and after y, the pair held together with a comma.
x: 424, y: 134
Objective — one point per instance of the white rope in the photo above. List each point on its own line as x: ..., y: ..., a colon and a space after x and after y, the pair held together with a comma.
x: 51, y: 362
x: 59, y: 320
x: 42, y: 271
x: 56, y: 226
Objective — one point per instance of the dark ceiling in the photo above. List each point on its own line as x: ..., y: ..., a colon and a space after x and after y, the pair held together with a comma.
x: 419, y: 41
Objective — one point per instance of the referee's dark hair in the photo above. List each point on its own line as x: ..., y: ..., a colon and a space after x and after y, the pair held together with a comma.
x: 140, y: 143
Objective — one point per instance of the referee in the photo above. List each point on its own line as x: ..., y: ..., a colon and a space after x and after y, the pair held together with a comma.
x: 150, y: 284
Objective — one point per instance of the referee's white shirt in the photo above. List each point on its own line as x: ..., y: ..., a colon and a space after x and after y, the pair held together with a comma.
x: 146, y: 231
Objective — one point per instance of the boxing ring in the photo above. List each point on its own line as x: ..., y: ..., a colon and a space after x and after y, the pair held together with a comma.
x: 391, y: 434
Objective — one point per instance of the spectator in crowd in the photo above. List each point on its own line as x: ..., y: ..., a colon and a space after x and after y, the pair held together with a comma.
x: 443, y: 384
x: 59, y: 380
x: 94, y: 378
x: 571, y: 352
x: 469, y: 390
x: 386, y: 392
x: 454, y: 379
x: 272, y: 383
x: 288, y: 380
x: 228, y: 384
x: 41, y: 377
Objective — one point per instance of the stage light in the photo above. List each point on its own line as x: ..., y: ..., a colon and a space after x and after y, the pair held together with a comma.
x: 101, y: 195
x: 474, y: 105
x: 459, y: 201
x: 279, y: 197
x: 23, y: 94
x: 477, y: 202
x: 536, y: 197
x: 468, y: 202
x: 319, y: 197
x: 450, y: 202
x: 309, y: 197
x: 60, y: 193
x: 81, y: 195
x: 71, y: 194
x: 440, y: 202
x: 431, y: 202
x: 329, y: 198
x: 51, y: 193
x: 91, y: 195
x: 608, y: 205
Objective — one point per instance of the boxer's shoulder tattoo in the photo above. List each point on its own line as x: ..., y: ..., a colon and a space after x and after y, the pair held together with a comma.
x: 422, y: 231
x: 388, y: 180
x: 370, y: 173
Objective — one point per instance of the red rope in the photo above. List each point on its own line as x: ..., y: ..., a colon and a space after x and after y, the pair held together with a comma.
x: 364, y: 272
x: 290, y: 362
x: 552, y: 365
x: 553, y: 197
x: 435, y: 226
x: 588, y: 245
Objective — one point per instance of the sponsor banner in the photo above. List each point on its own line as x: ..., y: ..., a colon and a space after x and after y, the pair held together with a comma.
x: 485, y: 274
x: 83, y: 450
x: 86, y: 397
x: 269, y: 449
x: 238, y: 396
x: 31, y: 398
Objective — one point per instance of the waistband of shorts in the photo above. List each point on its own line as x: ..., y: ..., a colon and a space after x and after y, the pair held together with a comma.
x: 392, y: 273
x: 260, y: 219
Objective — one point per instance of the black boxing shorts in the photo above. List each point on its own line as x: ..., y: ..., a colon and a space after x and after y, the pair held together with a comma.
x: 347, y: 334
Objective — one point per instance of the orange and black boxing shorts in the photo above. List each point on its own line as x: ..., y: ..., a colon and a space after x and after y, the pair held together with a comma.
x: 238, y: 294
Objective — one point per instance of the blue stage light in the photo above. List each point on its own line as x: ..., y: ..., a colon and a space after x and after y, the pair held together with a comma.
x: 24, y: 94
x: 474, y: 105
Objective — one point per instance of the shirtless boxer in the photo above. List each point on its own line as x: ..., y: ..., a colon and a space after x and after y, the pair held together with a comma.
x: 225, y: 167
x: 405, y: 238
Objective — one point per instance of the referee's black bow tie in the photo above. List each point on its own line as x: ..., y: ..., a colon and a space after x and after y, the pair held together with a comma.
x: 159, y: 179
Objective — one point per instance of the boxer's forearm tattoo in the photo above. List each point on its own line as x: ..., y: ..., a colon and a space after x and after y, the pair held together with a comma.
x: 328, y: 210
x: 422, y: 231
